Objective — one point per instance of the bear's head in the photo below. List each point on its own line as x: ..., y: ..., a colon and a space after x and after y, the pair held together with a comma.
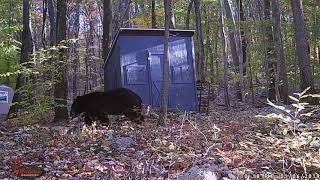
x: 75, y: 107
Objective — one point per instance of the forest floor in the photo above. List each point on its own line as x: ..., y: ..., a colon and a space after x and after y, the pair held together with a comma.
x: 235, y: 142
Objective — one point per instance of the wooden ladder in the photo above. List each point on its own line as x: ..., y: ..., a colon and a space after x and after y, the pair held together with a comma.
x: 203, y: 94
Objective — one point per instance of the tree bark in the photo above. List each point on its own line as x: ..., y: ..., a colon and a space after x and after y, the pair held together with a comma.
x: 26, y: 50
x: 242, y: 36
x: 44, y: 18
x: 107, y: 28
x: 201, y: 74
x: 264, y: 44
x: 315, y: 33
x: 216, y: 37
x: 270, y: 52
x: 225, y: 56
x: 208, y: 52
x: 52, y: 18
x: 153, y: 14
x: 172, y: 16
x: 165, y: 84
x: 124, y: 7
x: 232, y: 35
x: 189, y: 13
x: 302, y: 47
x: 251, y: 80
x: 281, y: 67
x: 233, y: 44
x: 76, y: 46
x: 61, y: 85
x: 242, y: 51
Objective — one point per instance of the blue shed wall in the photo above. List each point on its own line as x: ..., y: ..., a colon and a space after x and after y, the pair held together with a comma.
x: 112, y: 77
x: 140, y: 60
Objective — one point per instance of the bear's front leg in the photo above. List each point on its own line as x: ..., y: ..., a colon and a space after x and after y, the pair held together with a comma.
x: 88, y: 119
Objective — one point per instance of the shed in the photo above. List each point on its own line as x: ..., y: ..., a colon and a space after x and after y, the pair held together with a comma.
x: 135, y: 62
x: 6, y: 96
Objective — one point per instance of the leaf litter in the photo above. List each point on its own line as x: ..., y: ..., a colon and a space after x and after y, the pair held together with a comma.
x: 233, y: 142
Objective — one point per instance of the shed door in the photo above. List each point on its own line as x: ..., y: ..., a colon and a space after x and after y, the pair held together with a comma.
x: 156, y: 74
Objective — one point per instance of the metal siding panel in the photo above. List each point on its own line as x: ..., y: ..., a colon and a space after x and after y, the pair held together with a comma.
x: 156, y: 77
x: 133, y: 57
x: 105, y: 78
x: 111, y: 70
x: 191, y: 59
x: 182, y: 91
x: 117, y: 68
x: 181, y: 95
x: 133, y: 53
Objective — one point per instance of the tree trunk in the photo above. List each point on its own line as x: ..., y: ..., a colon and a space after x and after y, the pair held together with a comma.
x: 315, y: 33
x: 61, y: 85
x: 263, y: 43
x: 52, y: 12
x: 216, y: 37
x: 107, y: 28
x: 302, y: 46
x: 270, y: 58
x: 165, y: 84
x: 188, y: 14
x: 153, y: 14
x: 91, y: 50
x: 242, y: 51
x: 44, y: 18
x: 26, y: 50
x: 7, y: 81
x: 242, y: 36
x: 209, y: 53
x: 201, y: 74
x: 87, y: 56
x: 251, y: 80
x: 124, y: 11
x: 172, y: 17
x: 76, y: 47
x: 232, y: 35
x: 100, y: 33
x: 233, y: 44
x: 36, y: 40
x: 225, y: 56
x: 52, y: 19
x: 281, y: 67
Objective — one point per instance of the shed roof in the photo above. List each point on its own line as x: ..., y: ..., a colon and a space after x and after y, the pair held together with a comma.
x: 159, y: 32
x: 147, y: 32
x: 4, y: 86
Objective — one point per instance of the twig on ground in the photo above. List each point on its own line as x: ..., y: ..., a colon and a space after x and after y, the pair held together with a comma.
x: 209, y: 148
x: 198, y: 131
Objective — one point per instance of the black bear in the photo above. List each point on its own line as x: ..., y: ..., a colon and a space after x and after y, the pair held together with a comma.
x: 120, y: 101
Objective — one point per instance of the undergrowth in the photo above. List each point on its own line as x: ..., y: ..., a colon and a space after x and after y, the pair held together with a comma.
x: 293, y: 139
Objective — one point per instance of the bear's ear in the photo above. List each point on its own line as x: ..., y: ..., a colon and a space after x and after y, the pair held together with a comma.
x: 77, y: 98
